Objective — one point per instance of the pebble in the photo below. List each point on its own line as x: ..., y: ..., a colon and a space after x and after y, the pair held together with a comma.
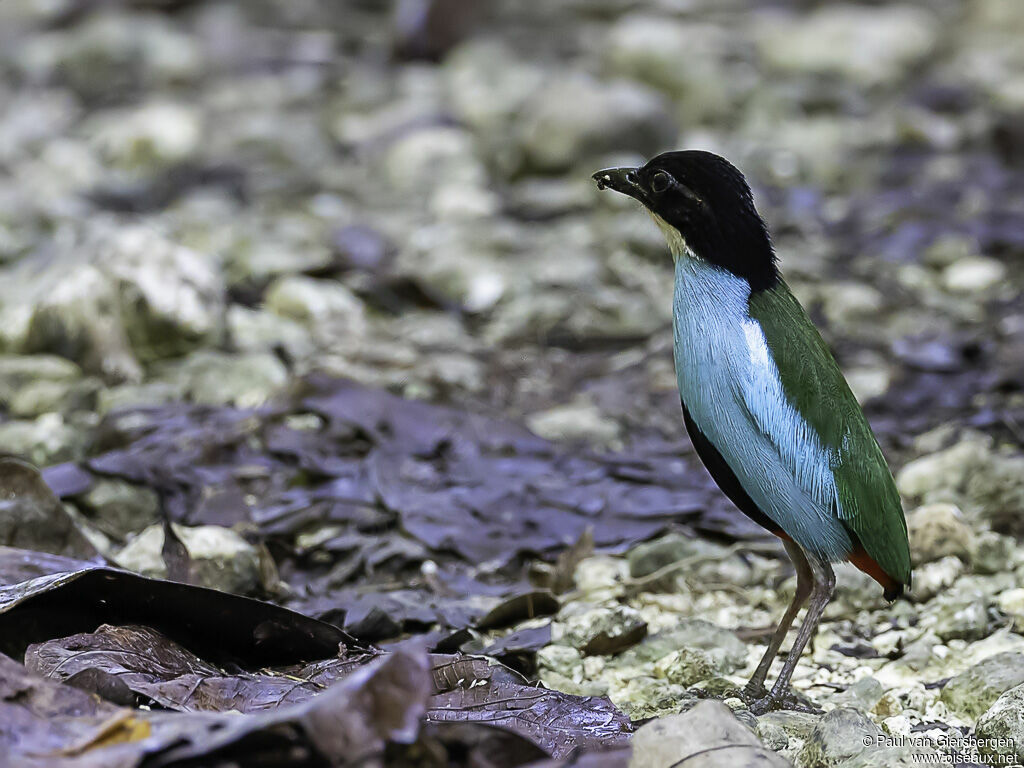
x: 937, y: 531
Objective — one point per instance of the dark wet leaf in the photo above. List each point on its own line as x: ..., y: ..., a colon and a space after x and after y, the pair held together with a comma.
x: 351, y: 722
x: 353, y: 506
x: 859, y: 650
x: 175, y: 555
x: 525, y: 640
x: 469, y: 689
x: 160, y: 671
x: 216, y: 624
x: 106, y: 685
x: 119, y: 662
x: 519, y: 608
x: 43, y: 723
x: 518, y: 650
x: 68, y: 479
x: 604, y: 644
x: 17, y: 565
x: 336, y: 707
x: 40, y: 717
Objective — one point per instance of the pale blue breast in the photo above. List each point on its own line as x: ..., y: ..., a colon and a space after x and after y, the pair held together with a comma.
x: 730, y: 384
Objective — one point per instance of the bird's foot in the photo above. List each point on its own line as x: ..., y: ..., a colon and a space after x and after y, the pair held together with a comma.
x: 752, y: 692
x: 762, y: 701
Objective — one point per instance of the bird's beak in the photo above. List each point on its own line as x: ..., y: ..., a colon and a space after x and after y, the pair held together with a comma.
x: 624, y: 180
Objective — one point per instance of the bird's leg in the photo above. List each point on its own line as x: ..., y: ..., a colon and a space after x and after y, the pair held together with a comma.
x: 804, y: 581
x: 821, y: 593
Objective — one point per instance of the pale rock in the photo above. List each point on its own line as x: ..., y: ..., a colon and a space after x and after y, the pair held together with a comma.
x: 259, y: 330
x: 606, y: 313
x: 685, y: 666
x: 578, y: 421
x: 947, y: 250
x: 895, y: 756
x: 487, y: 84
x: 705, y: 561
x: 562, y: 659
x: 854, y: 590
x: 247, y: 380
x: 457, y: 201
x: 19, y: 371
x: 457, y: 265
x: 772, y: 736
x: 42, y: 441
x: 688, y: 61
x: 254, y: 259
x: 114, y: 295
x: 645, y: 697
x: 1011, y: 602
x: 997, y: 493
x: 600, y: 573
x: 840, y: 736
x: 110, y: 51
x: 922, y: 658
x: 794, y: 727
x: 315, y: 302
x: 149, y: 137
x: 172, y: 298
x: 937, y: 531
x: 48, y: 396
x: 870, y: 46
x: 220, y: 558
x: 974, y: 274
x: 868, y: 382
x: 897, y: 725
x: 600, y: 630
x: 862, y: 695
x: 992, y: 553
x: 944, y: 473
x: 573, y: 117
x: 126, y: 396
x: 847, y: 304
x: 973, y: 691
x: 1000, y: 730
x: 724, y: 647
x: 118, y: 508
x: 424, y: 159
x: 692, y: 738
x: 932, y: 578
x: 958, y: 614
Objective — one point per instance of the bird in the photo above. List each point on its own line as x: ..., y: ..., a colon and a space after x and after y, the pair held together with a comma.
x: 766, y: 406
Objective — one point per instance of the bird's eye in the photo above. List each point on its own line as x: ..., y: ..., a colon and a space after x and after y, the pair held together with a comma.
x: 660, y: 182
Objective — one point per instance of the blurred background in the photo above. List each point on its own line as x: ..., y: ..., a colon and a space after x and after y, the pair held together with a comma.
x: 213, y: 207
x: 200, y: 200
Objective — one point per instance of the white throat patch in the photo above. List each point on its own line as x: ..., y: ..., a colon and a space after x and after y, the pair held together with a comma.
x: 676, y: 243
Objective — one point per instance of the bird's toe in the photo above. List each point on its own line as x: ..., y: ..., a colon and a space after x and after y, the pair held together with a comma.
x: 752, y: 692
x: 787, y: 700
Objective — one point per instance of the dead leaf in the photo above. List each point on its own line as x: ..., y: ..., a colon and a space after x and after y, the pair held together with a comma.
x: 217, y: 624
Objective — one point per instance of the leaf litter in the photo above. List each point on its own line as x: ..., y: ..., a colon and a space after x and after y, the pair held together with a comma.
x: 415, y: 526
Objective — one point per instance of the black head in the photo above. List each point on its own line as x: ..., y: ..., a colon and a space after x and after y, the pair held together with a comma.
x: 708, y: 201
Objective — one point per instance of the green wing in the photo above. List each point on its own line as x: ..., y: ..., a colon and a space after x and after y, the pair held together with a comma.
x: 869, y: 502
